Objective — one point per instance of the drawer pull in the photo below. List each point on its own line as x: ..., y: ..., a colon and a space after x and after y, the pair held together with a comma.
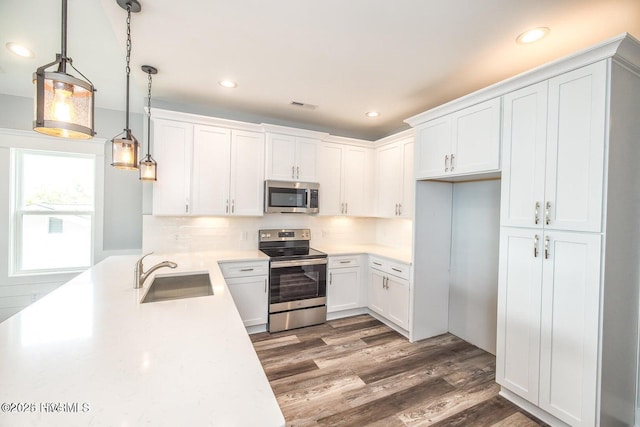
x: 377, y: 263
x: 345, y: 262
x: 396, y: 269
x: 246, y: 269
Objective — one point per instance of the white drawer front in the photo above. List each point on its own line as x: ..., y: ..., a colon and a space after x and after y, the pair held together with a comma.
x: 344, y: 261
x: 244, y: 269
x: 397, y: 269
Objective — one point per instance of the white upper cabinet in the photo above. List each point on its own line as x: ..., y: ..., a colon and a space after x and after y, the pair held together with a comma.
x: 461, y: 143
x: 172, y: 147
x: 210, y: 172
x: 345, y: 180
x: 575, y: 149
x: 553, y: 162
x: 247, y: 173
x: 207, y: 170
x: 291, y: 158
x: 394, y: 179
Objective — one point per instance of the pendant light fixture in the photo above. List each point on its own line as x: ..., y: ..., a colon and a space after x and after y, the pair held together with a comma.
x: 124, y: 147
x: 148, y: 166
x: 64, y: 104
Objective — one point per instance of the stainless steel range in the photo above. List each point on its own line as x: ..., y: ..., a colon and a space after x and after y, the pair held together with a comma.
x: 297, y: 279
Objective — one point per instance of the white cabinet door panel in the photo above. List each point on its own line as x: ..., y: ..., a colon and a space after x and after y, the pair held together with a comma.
x: 250, y: 296
x: 377, y: 292
x: 280, y: 156
x: 519, y: 307
x: 433, y: 143
x: 210, y: 173
x: 343, y: 292
x: 389, y: 179
x: 575, y: 148
x: 398, y: 301
x: 172, y: 150
x: 476, y: 138
x: 355, y: 181
x: 409, y: 183
x: 330, y: 177
x: 523, y: 158
x: 247, y: 173
x: 307, y: 159
x: 570, y: 319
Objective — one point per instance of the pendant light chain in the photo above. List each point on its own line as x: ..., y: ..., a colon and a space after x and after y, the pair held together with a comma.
x: 128, y: 68
x: 149, y: 115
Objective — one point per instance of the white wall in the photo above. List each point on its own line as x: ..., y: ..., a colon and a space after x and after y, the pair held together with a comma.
x: 473, y: 288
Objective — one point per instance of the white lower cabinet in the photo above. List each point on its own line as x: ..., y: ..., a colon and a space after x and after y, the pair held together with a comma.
x: 248, y: 283
x: 548, y: 316
x: 389, y: 290
x: 344, y: 285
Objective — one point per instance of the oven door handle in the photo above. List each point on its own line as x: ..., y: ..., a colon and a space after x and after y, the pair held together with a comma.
x: 298, y: 262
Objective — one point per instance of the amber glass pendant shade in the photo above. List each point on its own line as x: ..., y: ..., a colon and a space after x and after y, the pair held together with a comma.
x: 63, y: 103
x: 124, y: 151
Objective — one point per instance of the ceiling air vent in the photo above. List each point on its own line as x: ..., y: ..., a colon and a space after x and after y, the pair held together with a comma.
x: 303, y: 105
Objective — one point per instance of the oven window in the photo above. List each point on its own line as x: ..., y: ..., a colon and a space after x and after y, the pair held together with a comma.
x: 287, y: 197
x: 296, y: 283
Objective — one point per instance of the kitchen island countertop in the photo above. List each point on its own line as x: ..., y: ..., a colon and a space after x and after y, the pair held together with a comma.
x: 88, y: 354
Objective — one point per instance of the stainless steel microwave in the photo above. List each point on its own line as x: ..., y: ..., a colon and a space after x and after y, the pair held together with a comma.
x: 291, y: 197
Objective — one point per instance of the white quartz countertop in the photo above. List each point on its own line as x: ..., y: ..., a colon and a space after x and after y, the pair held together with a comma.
x: 89, y: 354
x: 394, y: 254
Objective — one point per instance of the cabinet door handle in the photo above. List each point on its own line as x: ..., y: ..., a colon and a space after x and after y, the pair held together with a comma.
x: 535, y: 246
x: 346, y: 208
x: 246, y: 269
x: 547, y: 254
x: 452, y: 159
x: 331, y: 278
x: 265, y: 286
x: 399, y: 209
x: 186, y: 208
x: 293, y: 171
x: 298, y: 172
x: 342, y: 208
x: 547, y: 210
x: 446, y: 163
x: 233, y: 206
x: 226, y: 209
x: 536, y: 216
x: 396, y: 211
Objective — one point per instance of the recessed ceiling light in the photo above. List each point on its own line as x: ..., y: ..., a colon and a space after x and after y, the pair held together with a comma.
x: 20, y: 50
x: 372, y: 114
x: 532, y: 35
x: 228, y: 84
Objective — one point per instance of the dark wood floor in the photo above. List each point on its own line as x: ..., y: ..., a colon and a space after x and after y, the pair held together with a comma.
x: 358, y: 372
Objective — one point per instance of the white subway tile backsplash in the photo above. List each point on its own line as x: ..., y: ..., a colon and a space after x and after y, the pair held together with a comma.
x: 190, y: 234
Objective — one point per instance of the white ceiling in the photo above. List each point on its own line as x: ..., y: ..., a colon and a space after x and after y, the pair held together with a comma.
x: 399, y: 57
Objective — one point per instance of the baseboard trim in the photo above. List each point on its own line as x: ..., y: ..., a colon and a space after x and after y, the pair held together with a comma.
x: 531, y: 408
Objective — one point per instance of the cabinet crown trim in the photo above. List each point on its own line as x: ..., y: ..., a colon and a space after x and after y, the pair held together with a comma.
x: 623, y: 48
x: 196, y: 119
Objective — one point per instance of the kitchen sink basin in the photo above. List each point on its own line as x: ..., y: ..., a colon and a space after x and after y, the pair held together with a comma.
x: 177, y: 286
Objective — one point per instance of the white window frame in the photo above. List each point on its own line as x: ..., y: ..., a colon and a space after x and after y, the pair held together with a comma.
x: 32, y: 141
x: 17, y: 158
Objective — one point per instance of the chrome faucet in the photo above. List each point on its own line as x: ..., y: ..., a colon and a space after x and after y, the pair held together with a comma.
x: 140, y: 275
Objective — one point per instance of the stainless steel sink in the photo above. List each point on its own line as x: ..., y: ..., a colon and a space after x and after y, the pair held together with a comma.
x: 177, y: 286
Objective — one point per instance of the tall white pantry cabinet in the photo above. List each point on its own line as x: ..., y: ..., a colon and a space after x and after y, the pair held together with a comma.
x: 567, y: 340
x: 568, y: 277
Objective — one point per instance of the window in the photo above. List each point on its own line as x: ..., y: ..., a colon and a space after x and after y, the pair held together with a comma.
x: 54, y: 210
